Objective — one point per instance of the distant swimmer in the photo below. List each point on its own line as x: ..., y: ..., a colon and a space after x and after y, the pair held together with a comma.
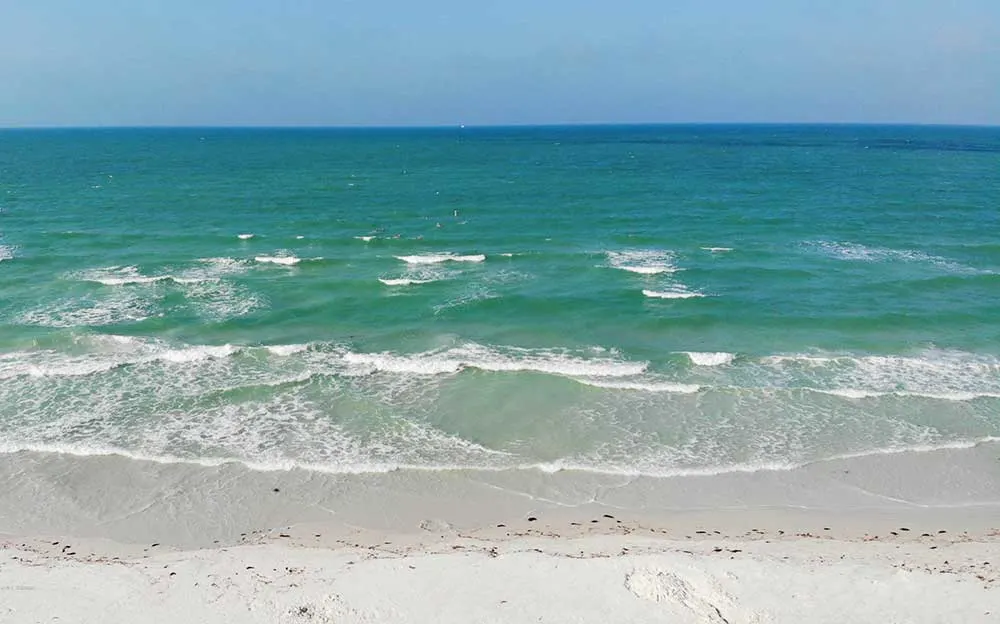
x: 438, y: 225
x: 456, y: 212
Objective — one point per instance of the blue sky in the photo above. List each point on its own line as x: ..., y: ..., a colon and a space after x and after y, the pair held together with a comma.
x: 442, y: 62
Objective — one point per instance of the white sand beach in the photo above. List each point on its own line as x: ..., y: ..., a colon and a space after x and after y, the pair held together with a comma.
x: 909, y: 537
x: 609, y: 578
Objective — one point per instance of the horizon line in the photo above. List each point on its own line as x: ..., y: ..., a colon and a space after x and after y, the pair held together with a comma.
x: 466, y: 126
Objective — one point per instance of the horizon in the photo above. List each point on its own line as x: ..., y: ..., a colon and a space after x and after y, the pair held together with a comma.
x: 225, y: 63
x: 526, y: 126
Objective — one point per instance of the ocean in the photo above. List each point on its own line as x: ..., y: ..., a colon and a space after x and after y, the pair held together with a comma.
x: 655, y: 300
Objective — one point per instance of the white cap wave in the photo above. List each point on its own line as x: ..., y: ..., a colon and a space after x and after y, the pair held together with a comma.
x: 282, y: 260
x: 402, y: 281
x: 718, y: 358
x: 672, y: 294
x: 126, y: 275
x: 643, y: 261
x: 439, y: 258
x: 496, y: 359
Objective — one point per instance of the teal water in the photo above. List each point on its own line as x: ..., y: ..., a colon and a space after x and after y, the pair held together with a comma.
x: 632, y: 299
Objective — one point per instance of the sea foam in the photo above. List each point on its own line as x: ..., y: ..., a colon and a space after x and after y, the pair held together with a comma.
x: 286, y: 350
x: 496, y: 359
x: 671, y: 294
x: 354, y: 465
x: 643, y: 261
x: 124, y: 276
x: 196, y: 353
x: 709, y: 359
x: 643, y: 386
x: 204, y: 286
x: 113, y: 351
x: 110, y: 352
x: 282, y: 260
x: 931, y: 374
x: 861, y: 253
x: 439, y: 258
x: 403, y: 281
x: 855, y: 393
x: 224, y: 266
x: 118, y: 307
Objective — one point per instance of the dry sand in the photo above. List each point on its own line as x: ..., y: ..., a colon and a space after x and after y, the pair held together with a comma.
x: 529, y: 578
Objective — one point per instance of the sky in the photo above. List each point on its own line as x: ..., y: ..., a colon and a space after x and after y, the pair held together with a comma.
x: 448, y: 62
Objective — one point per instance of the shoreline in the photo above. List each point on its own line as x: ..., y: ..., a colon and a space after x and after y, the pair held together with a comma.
x: 909, y: 536
x: 189, y: 505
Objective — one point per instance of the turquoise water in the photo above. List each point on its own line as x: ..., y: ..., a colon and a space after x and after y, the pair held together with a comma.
x: 631, y: 299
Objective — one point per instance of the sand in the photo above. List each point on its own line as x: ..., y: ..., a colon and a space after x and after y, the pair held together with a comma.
x: 909, y: 537
x: 603, y: 578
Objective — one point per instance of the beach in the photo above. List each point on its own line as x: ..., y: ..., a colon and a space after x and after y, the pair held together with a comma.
x: 529, y: 579
x: 849, y: 539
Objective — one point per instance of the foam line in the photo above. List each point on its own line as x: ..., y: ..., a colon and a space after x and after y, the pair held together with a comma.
x: 403, y: 281
x: 9, y: 448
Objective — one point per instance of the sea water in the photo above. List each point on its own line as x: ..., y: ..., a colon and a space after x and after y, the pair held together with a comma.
x: 645, y: 300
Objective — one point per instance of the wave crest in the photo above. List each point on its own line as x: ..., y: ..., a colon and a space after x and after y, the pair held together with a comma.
x: 643, y: 261
x: 282, y: 260
x: 672, y: 294
x: 709, y: 359
x: 439, y: 258
x: 402, y: 281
